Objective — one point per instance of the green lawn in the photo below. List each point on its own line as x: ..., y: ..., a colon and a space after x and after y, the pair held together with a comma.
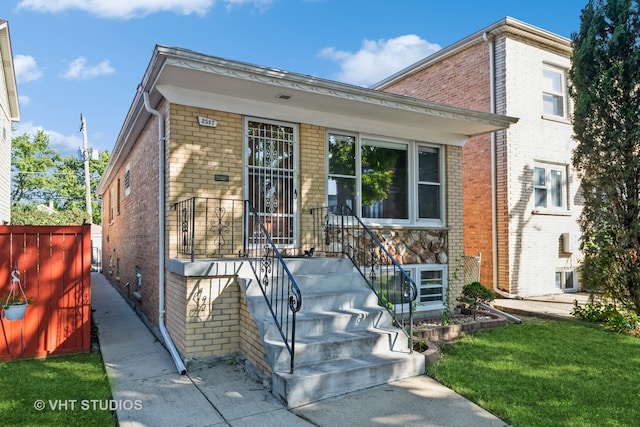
x: 547, y: 373
x: 58, y: 391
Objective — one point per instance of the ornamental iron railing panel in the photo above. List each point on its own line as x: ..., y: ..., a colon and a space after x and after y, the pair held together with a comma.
x: 337, y: 231
x: 280, y: 290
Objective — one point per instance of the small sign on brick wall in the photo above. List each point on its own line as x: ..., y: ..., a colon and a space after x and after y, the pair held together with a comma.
x: 205, y: 121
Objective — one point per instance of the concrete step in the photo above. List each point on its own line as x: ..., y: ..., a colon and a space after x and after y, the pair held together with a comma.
x: 313, y: 282
x: 320, y: 323
x: 337, y: 345
x: 321, y: 302
x: 343, y: 375
x: 319, y: 265
x: 344, y: 340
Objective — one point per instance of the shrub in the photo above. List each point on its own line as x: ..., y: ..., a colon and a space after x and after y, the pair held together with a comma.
x: 606, y: 314
x: 474, y: 293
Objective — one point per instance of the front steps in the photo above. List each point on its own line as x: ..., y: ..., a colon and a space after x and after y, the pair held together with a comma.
x: 344, y: 340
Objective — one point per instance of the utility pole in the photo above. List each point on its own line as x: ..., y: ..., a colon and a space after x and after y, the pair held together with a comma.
x: 85, y: 156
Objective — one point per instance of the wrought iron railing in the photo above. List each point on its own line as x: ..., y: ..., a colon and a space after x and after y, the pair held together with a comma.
x: 280, y: 290
x: 209, y: 227
x: 337, y: 230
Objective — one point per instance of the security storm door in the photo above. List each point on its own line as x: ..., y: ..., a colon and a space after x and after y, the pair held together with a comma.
x: 271, y: 165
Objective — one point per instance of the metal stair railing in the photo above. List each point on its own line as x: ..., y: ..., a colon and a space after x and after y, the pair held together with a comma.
x: 338, y: 231
x: 280, y: 290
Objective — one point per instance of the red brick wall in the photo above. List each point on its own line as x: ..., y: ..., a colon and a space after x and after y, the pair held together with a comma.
x: 463, y: 80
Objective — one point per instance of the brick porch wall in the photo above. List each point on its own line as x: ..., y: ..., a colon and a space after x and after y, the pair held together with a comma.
x: 208, y: 319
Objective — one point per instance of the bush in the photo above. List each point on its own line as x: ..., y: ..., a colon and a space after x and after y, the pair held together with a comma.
x: 607, y: 315
x: 474, y: 293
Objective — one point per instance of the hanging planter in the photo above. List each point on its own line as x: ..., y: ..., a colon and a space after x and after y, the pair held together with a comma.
x: 14, y: 311
x: 16, y: 301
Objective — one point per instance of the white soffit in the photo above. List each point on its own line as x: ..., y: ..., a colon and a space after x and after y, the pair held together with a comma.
x: 335, y: 105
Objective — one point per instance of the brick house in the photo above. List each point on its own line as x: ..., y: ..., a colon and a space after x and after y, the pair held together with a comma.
x: 9, y: 113
x: 247, y: 154
x: 521, y: 193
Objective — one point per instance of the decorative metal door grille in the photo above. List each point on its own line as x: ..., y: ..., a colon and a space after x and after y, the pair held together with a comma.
x: 271, y: 178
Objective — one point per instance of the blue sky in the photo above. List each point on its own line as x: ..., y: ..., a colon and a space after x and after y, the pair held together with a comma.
x: 88, y: 56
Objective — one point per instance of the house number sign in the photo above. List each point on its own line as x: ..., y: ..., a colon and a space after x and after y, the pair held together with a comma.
x: 205, y: 121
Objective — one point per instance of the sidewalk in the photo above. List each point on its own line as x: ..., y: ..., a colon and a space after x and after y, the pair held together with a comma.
x: 551, y: 306
x: 151, y: 392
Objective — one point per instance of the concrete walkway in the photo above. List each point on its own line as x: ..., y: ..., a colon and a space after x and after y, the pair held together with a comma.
x: 150, y: 392
x: 550, y: 306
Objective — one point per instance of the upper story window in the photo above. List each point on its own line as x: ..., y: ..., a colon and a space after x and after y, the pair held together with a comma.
x: 386, y: 181
x: 550, y: 186
x: 554, y: 92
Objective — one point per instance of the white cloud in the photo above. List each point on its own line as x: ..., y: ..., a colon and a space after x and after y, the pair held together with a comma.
x: 261, y: 5
x: 379, y: 59
x: 128, y: 9
x: 78, y: 69
x: 63, y: 144
x: 26, y: 68
x: 24, y: 100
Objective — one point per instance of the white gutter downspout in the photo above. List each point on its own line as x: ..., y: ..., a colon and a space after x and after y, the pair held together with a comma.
x: 161, y: 223
x: 494, y: 196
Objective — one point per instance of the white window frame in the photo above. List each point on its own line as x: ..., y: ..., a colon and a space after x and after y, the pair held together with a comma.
x: 414, y: 271
x: 562, y: 94
x: 564, y: 274
x: 548, y: 168
x: 412, y: 183
x: 432, y: 305
x: 127, y: 180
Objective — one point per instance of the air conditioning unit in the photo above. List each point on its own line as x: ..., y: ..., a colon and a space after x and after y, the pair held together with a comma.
x: 568, y: 243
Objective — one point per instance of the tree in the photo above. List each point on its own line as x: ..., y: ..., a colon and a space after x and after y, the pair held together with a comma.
x: 71, y: 190
x: 605, y: 77
x: 33, y: 163
x: 40, y: 175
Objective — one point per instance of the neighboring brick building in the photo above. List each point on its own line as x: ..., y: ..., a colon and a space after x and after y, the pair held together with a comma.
x: 9, y: 113
x: 521, y: 194
x: 222, y: 124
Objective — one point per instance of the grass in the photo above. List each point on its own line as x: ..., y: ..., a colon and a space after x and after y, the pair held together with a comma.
x: 547, y: 373
x: 51, y: 383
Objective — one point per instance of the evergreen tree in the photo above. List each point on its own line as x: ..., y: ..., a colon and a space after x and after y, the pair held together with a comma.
x: 605, y: 78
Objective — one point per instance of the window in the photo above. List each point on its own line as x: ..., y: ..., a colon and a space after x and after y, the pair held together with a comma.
x: 127, y: 180
x: 554, y: 92
x: 111, y: 202
x: 549, y: 186
x: 118, y: 197
x: 342, y: 170
x: 432, y: 287
x: 384, y: 181
x: 431, y: 281
x: 429, y: 193
x: 566, y: 280
x: 137, y: 289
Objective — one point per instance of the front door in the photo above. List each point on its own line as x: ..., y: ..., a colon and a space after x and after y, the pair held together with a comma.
x: 271, y: 165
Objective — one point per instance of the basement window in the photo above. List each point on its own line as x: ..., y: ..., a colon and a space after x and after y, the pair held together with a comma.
x: 137, y: 288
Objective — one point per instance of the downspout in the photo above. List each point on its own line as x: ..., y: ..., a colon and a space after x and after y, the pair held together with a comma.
x: 161, y: 223
x: 494, y: 195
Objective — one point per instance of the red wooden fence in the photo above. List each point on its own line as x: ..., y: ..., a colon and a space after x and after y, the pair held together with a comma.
x: 55, y: 272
